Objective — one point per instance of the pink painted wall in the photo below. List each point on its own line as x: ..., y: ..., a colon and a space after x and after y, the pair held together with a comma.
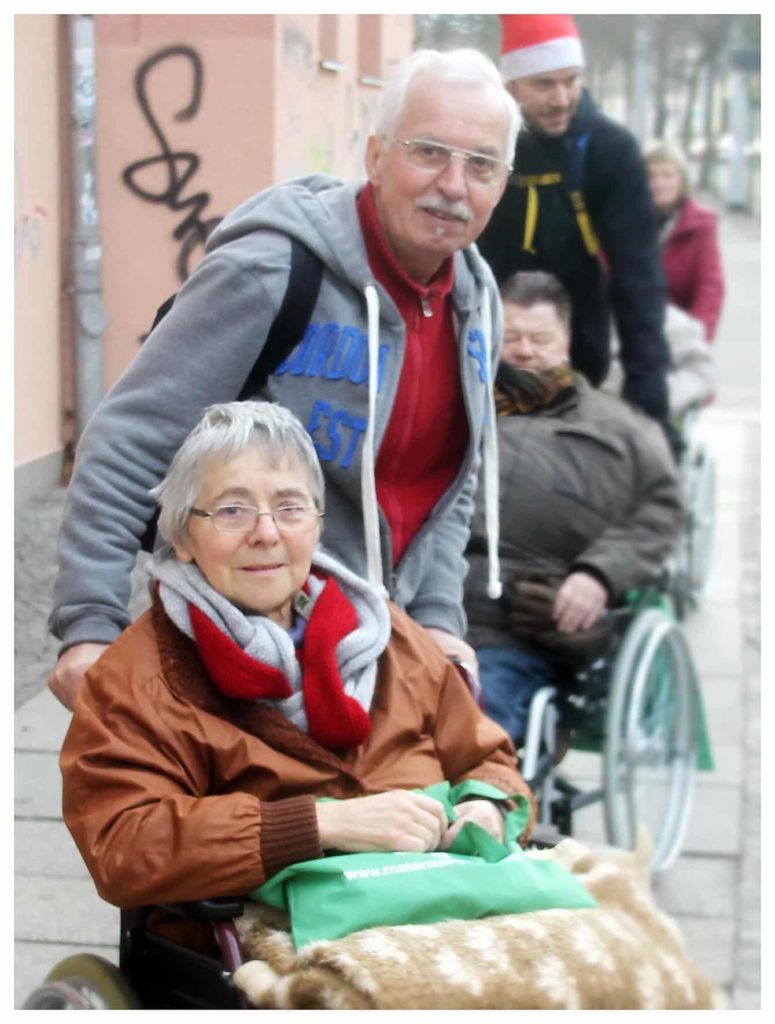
x: 195, y: 113
x: 37, y: 264
x: 324, y: 116
x: 266, y: 112
x: 220, y: 145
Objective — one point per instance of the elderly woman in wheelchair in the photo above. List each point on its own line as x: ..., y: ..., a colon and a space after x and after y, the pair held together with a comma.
x: 264, y: 676
x: 270, y: 711
x: 591, y: 509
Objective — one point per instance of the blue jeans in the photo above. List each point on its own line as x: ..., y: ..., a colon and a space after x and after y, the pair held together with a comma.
x: 509, y: 679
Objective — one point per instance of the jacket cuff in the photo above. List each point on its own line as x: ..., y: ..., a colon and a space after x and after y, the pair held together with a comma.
x: 289, y: 833
x: 596, y: 574
x: 89, y: 631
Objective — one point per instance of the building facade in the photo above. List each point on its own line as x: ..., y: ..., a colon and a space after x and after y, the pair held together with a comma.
x: 134, y: 135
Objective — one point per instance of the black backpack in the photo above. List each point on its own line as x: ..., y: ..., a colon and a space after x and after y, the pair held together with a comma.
x: 286, y: 331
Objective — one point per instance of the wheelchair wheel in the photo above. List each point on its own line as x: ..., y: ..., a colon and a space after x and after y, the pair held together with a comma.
x: 84, y: 982
x: 651, y: 738
x: 700, y: 501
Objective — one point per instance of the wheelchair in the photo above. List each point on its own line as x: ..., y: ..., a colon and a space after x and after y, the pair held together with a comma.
x: 692, y: 560
x: 639, y: 707
x: 154, y: 972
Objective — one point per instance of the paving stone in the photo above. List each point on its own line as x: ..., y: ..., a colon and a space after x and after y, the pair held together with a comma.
x: 46, y: 848
x: 38, y: 785
x: 699, y: 886
x: 715, y: 636
x: 63, y: 910
x: 714, y: 825
x: 40, y: 724
x: 710, y: 947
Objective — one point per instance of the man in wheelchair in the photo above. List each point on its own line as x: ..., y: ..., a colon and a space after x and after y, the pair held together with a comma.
x: 590, y: 507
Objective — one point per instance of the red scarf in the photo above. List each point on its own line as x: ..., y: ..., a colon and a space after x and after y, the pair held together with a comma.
x: 335, y: 720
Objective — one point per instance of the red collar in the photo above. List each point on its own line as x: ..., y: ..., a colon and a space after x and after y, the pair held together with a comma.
x: 384, y: 264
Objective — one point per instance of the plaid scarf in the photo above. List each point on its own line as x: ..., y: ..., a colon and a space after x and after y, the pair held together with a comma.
x: 518, y: 392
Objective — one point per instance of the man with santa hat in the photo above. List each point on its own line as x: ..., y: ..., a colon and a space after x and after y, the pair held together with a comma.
x: 578, y: 206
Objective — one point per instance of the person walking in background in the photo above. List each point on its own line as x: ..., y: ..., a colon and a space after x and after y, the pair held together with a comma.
x: 688, y: 233
x: 590, y: 507
x: 578, y: 206
x: 391, y: 378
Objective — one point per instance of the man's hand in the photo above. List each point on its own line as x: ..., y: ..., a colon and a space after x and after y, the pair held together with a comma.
x: 579, y: 603
x: 67, y: 676
x: 392, y: 821
x: 456, y: 649
x: 483, y: 812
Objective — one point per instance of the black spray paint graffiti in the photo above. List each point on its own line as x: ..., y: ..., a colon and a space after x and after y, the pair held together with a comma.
x: 180, y: 166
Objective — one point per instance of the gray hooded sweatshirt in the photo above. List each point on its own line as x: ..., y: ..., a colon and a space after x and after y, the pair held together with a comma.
x: 202, y: 352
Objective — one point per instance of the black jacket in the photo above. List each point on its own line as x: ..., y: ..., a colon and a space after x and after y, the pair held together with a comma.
x: 629, y: 279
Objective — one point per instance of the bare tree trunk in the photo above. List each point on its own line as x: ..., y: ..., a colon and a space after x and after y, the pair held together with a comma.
x: 687, y: 126
x: 661, y: 82
x: 709, y: 152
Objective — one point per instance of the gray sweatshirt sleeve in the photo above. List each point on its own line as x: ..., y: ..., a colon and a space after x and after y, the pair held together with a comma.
x: 199, y: 354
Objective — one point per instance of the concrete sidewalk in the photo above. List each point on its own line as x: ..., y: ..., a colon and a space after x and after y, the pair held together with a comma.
x: 712, y: 891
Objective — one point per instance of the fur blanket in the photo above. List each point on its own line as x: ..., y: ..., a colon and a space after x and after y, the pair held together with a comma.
x: 624, y: 954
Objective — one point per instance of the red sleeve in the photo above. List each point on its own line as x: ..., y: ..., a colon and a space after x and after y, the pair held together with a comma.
x: 708, y: 291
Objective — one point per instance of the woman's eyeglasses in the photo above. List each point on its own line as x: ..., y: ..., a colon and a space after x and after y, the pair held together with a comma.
x: 243, y: 518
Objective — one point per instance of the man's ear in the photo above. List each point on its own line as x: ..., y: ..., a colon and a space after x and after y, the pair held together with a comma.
x: 373, y: 158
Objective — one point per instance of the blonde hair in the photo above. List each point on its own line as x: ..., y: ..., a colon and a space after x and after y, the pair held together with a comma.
x: 663, y: 152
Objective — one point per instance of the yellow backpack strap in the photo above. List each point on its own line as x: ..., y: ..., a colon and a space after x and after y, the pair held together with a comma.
x: 532, y: 182
x: 591, y: 242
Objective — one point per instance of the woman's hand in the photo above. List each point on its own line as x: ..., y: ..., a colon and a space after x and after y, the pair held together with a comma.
x: 483, y: 812
x: 392, y: 821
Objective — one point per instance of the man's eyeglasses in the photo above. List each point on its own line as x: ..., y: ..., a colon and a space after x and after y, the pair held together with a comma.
x: 243, y: 518
x: 435, y: 157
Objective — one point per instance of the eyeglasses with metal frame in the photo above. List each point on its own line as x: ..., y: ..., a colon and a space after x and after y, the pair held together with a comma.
x: 435, y: 157
x: 243, y: 518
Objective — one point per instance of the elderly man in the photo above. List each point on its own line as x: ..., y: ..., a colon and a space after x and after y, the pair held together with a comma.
x: 590, y: 506
x: 391, y: 378
x: 579, y: 207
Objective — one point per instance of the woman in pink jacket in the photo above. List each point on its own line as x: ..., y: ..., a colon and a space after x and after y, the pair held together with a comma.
x: 689, y: 236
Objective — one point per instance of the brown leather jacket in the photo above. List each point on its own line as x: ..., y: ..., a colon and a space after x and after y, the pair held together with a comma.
x: 174, y: 792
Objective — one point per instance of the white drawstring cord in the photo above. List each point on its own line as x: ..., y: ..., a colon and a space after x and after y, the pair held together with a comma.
x: 490, y: 466
x: 368, y: 476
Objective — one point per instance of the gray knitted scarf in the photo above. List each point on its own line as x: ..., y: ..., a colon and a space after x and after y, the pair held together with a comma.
x: 182, y: 584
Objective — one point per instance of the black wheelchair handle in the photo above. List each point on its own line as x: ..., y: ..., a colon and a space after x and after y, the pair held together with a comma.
x: 221, y: 908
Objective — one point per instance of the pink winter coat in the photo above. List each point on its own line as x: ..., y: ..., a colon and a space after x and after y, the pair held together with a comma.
x: 692, y: 262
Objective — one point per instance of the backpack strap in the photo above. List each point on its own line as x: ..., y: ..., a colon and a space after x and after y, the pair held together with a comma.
x: 287, y: 329
x: 292, y: 318
x: 574, y: 182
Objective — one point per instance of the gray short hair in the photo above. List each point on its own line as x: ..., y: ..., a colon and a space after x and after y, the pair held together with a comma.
x: 529, y: 287
x: 224, y: 431
x: 664, y: 152
x: 463, y: 65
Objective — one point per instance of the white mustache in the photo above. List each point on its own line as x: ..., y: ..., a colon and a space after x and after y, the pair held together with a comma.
x: 458, y: 209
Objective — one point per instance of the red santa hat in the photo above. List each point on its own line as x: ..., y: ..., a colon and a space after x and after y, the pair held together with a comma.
x: 533, y: 43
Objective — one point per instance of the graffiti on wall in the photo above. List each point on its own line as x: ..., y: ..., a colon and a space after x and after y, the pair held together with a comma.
x: 27, y: 220
x: 177, y: 167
